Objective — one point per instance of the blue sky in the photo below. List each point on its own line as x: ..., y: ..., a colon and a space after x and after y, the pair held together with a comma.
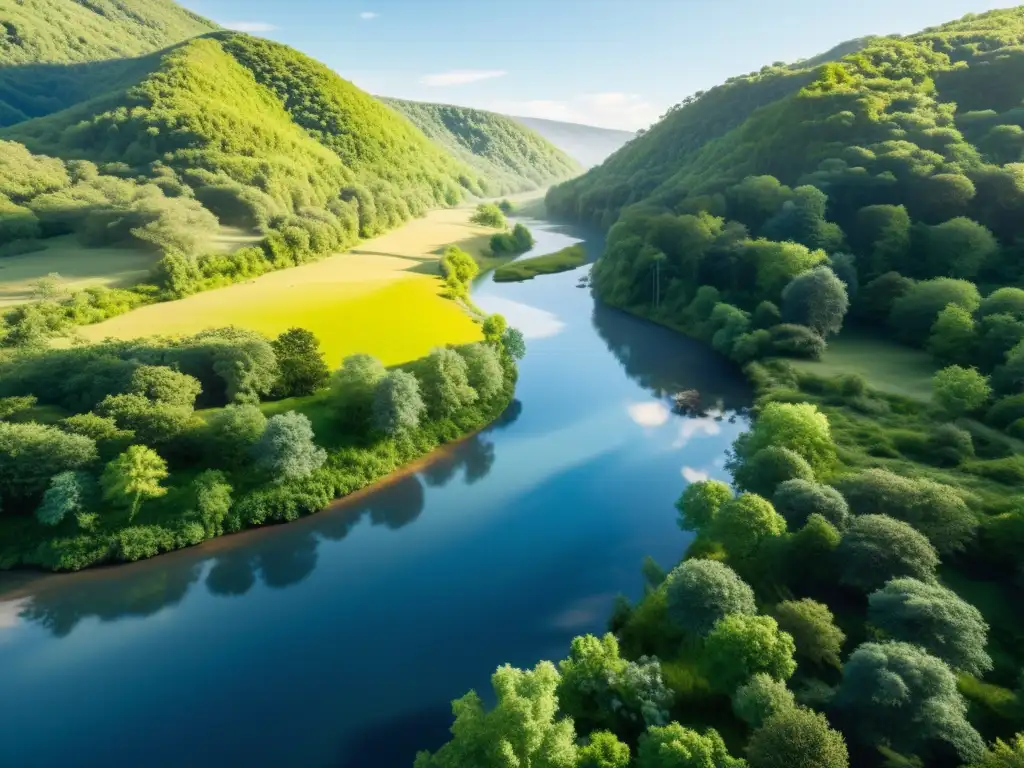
x: 616, y: 63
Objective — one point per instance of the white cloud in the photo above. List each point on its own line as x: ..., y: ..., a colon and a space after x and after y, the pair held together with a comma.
x: 692, y: 475
x: 461, y: 76
x: 705, y: 427
x: 608, y: 110
x: 534, y: 323
x: 249, y: 26
x: 648, y: 414
x: 367, y: 15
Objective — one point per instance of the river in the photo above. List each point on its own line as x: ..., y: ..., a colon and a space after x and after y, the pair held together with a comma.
x: 340, y: 639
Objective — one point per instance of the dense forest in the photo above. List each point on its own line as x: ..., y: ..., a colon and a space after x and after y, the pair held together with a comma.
x: 853, y: 596
x: 510, y: 157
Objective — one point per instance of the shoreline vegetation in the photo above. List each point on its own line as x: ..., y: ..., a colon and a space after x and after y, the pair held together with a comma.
x: 526, y: 269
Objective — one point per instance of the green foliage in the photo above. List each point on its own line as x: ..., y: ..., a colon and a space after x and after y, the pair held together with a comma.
x: 213, y: 500
x: 165, y: 385
x: 285, y: 450
x: 799, y: 427
x: 513, y: 342
x: 458, y: 269
x: 489, y: 215
x: 876, y: 300
x: 745, y: 524
x: 877, y: 548
x: 818, y: 640
x: 700, y: 503
x: 796, y: 500
x: 523, y: 727
x: 134, y: 477
x: 740, y: 646
x: 797, y: 738
x: 604, y: 750
x: 232, y: 432
x: 301, y: 367
x: 885, y: 686
x: 495, y: 329
x: 673, y: 746
x: 1002, y: 754
x: 398, y: 406
x: 798, y: 341
x: 959, y: 391
x: 953, y: 336
x: 67, y: 493
x: 353, y: 387
x: 763, y: 472
x: 445, y: 383
x: 526, y: 269
x: 934, y: 509
x: 817, y: 299
x: 934, y: 618
x: 698, y: 593
x: 915, y: 312
x: 760, y: 698
x: 959, y: 248
x: 519, y: 240
x: 483, y: 369
x: 152, y: 422
x: 1008, y: 300
x: 31, y: 454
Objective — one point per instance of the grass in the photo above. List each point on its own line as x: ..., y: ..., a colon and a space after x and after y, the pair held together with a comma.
x: 526, y: 269
x: 382, y: 298
x: 81, y: 267
x: 887, y: 366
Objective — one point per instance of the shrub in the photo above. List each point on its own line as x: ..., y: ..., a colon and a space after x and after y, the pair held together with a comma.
x: 740, y: 646
x: 790, y: 340
x: 959, y: 391
x: 796, y: 500
x: 799, y: 427
x: 700, y: 592
x: 797, y: 738
x: 674, y: 746
x: 759, y: 698
x: 743, y: 524
x: 286, y: 450
x: 489, y: 215
x: 877, y: 548
x: 700, y: 503
x: 950, y: 445
x: 763, y: 472
x: 915, y: 312
x: 816, y: 299
x: 818, y: 640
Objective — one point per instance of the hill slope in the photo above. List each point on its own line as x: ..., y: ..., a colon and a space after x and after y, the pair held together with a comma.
x: 587, y: 144
x: 509, y: 156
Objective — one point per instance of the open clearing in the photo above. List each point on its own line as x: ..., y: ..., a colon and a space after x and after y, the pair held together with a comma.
x: 382, y: 298
x: 81, y: 267
x: 887, y: 366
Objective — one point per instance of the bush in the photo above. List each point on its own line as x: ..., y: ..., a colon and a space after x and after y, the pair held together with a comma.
x: 950, y: 445
x: 700, y: 503
x: 799, y: 427
x: 741, y: 646
x: 763, y: 472
x: 797, y: 341
x: 489, y: 215
x: 877, y: 548
x: 818, y: 640
x: 674, y: 746
x: 700, y: 592
x: 959, y: 391
x: 1006, y: 411
x: 796, y: 500
x: 760, y: 698
x: 914, y: 313
x: 797, y: 738
x: 745, y: 523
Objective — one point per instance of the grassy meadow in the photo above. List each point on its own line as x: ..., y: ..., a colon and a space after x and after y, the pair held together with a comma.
x: 382, y: 298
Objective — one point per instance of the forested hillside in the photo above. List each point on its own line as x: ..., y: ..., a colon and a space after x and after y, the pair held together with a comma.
x: 588, y: 144
x: 507, y: 155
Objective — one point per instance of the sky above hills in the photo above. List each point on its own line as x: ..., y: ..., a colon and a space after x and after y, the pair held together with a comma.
x: 613, y: 63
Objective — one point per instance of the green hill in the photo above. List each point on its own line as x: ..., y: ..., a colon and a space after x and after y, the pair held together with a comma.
x: 587, y: 144
x: 508, y: 155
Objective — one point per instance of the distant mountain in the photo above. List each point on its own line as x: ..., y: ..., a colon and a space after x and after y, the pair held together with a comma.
x: 508, y: 156
x: 588, y: 144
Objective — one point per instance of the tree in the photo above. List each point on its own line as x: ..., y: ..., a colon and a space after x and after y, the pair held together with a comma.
x: 599, y: 689
x: 936, y: 510
x: 133, y: 477
x: 740, y: 646
x: 397, y: 404
x: 459, y: 269
x: 286, y: 450
x: 766, y: 315
x: 885, y: 686
x: 31, y: 454
x: 845, y: 267
x: 789, y: 340
x: 743, y: 524
x: 483, y: 370
x: 67, y: 493
x: 915, y: 312
x: 997, y: 335
x: 797, y: 426
x: 763, y: 472
x: 523, y: 728
x: 882, y: 233
x: 1008, y: 300
x: 353, y: 387
x: 514, y: 344
x: 232, y: 432
x: 1003, y: 754
x: 934, y: 618
x: 494, y: 328
x: 818, y: 640
x: 953, y: 338
x: 809, y: 554
x: 154, y: 422
x: 761, y: 697
x: 797, y: 738
x: 700, y: 503
x: 959, y: 248
x: 446, y: 388
x: 876, y: 301
x: 798, y: 499
x: 673, y: 746
x: 817, y: 299
x: 700, y: 592
x: 776, y: 263
x: 877, y: 548
x: 604, y: 750
x: 213, y: 500
x: 165, y: 385
x: 301, y: 367
x: 489, y: 215
x: 959, y: 391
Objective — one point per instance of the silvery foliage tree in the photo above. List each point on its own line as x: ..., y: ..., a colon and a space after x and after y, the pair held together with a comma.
x: 398, y: 406
x: 286, y: 449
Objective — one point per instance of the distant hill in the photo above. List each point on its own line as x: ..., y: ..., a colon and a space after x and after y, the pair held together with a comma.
x: 588, y: 144
x: 508, y: 156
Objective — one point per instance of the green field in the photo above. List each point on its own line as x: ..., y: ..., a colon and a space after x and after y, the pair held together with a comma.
x: 382, y: 298
x: 887, y: 366
x: 526, y: 269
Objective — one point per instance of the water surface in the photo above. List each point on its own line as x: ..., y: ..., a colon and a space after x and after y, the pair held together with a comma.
x: 340, y: 639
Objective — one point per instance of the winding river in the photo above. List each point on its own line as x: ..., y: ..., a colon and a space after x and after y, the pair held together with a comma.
x: 340, y: 639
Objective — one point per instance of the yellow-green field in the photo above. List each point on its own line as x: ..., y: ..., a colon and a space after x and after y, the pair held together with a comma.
x: 382, y: 298
x: 80, y: 267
